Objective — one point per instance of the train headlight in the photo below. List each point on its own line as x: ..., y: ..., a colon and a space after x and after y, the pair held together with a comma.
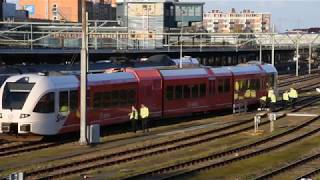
x: 24, y: 116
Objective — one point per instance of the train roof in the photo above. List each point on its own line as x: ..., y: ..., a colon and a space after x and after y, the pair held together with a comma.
x: 250, y: 69
x: 269, y: 68
x: 118, y: 77
x: 184, y: 73
x: 221, y: 71
x: 60, y: 81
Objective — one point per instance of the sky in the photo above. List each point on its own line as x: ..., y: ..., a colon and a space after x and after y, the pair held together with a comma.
x: 286, y: 14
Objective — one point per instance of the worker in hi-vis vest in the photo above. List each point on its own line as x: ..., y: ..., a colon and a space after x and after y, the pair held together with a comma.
x: 134, y: 116
x: 144, y: 115
x: 293, y: 95
x: 285, y: 99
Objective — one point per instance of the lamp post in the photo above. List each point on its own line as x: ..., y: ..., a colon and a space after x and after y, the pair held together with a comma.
x: 83, y: 78
x: 181, y: 14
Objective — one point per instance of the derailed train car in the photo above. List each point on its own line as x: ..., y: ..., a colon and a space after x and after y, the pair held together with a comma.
x: 49, y: 104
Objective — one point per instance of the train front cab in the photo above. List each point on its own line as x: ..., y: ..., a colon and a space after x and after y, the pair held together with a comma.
x: 32, y: 106
x: 248, y: 84
x: 271, y: 76
x: 185, y: 91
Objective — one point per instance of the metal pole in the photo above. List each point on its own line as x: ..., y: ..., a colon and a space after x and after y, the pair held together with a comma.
x: 180, y: 62
x: 201, y: 43
x: 148, y: 39
x: 117, y: 39
x: 310, y: 53
x: 83, y: 79
x: 95, y: 38
x: 272, y: 51
x: 297, y: 58
x: 31, y: 36
x: 260, y: 53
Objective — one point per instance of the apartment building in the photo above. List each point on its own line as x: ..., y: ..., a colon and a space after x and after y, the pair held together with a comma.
x: 236, y: 22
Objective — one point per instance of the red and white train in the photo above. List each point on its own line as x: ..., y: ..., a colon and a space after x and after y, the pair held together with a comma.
x: 48, y: 104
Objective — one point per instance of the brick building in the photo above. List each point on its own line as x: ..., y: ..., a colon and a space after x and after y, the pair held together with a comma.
x: 67, y: 10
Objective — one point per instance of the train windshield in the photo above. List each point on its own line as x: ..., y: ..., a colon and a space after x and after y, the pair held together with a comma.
x: 15, y: 94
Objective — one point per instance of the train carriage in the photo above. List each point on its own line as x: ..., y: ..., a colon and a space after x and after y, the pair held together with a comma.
x: 149, y: 90
x: 248, y: 84
x: 222, y: 87
x: 49, y: 104
x: 185, y: 91
x: 110, y: 98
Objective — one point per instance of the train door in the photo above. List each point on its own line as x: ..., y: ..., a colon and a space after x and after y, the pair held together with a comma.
x: 224, y: 94
x: 212, y: 93
x: 67, y: 106
x: 150, y: 91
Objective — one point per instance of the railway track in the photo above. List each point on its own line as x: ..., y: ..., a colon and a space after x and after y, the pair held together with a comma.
x: 25, y: 147
x: 290, y: 82
x: 104, y: 160
x: 228, y: 157
x: 305, y: 86
x: 310, y: 174
x: 293, y: 165
x: 8, y: 149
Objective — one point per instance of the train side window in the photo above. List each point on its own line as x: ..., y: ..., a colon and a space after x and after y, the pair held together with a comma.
x: 203, y: 90
x: 123, y: 97
x: 195, y: 91
x: 73, y: 100
x: 169, y: 92
x: 115, y: 98
x: 236, y: 86
x: 106, y: 99
x: 63, y: 101
x: 212, y: 87
x: 257, y: 84
x: 186, y: 91
x: 220, y: 86
x: 45, y: 104
x: 97, y: 100
x: 226, y: 85
x: 178, y: 92
x: 131, y: 96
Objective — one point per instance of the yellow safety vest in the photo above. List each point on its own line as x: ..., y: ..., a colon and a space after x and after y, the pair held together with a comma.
x: 285, y: 96
x: 263, y: 98
x: 236, y: 86
x: 144, y: 112
x: 270, y: 93
x: 64, y: 108
x: 253, y: 93
x: 293, y: 93
x: 273, y: 98
x: 247, y: 94
x: 134, y: 114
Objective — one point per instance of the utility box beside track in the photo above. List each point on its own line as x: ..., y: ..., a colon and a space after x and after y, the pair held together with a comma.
x: 93, y: 133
